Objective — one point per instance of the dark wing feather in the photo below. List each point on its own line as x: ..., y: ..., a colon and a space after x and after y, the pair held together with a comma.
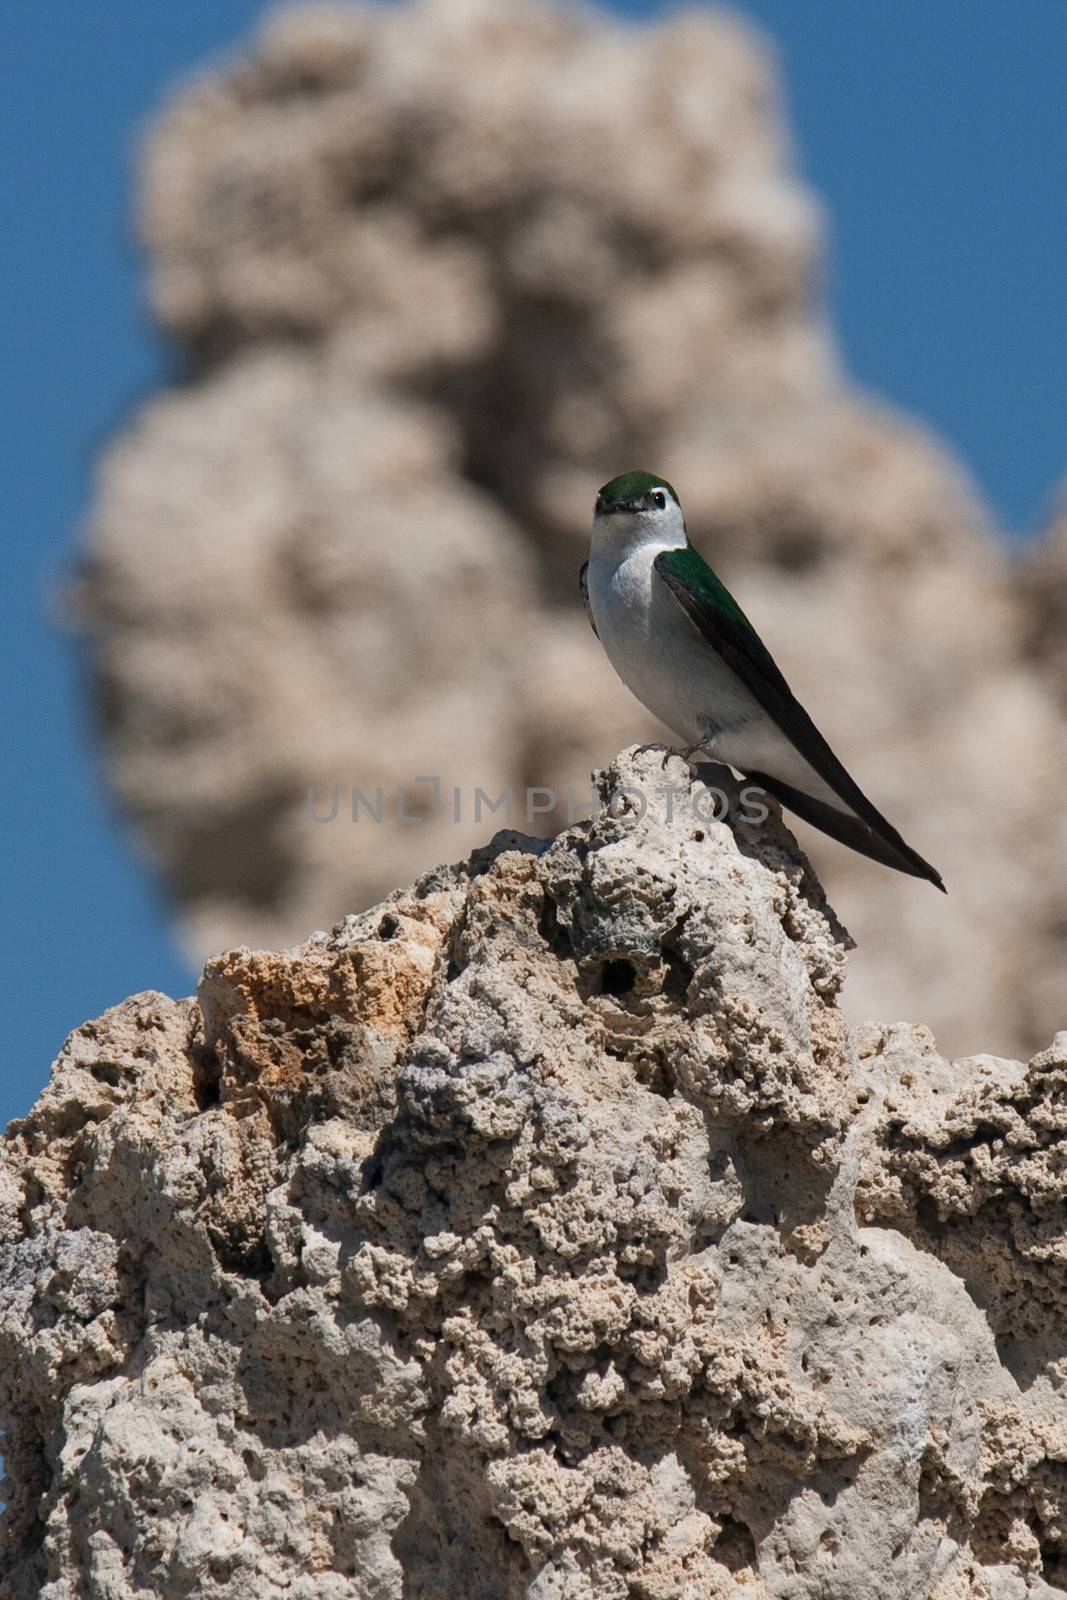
x: 844, y: 827
x: 717, y: 616
x: 583, y: 584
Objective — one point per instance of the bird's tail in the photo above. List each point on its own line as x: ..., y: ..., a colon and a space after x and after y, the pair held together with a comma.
x: 883, y: 844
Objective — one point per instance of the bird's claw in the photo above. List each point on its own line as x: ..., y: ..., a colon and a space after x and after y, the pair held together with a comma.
x: 670, y: 750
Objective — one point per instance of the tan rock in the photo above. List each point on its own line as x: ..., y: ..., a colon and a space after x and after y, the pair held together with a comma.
x: 541, y: 1232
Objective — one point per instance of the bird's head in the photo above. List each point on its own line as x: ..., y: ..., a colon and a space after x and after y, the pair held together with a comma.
x: 639, y: 507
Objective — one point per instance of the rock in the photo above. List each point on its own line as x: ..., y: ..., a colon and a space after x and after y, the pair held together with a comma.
x: 1042, y: 581
x: 543, y: 1232
x: 422, y: 314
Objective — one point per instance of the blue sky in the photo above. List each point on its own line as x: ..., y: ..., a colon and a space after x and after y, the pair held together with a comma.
x: 934, y: 133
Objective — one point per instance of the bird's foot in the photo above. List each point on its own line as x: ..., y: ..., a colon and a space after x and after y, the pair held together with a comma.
x: 670, y: 750
x: 687, y: 756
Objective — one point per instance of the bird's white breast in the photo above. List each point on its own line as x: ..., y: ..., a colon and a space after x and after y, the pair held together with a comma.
x: 655, y: 648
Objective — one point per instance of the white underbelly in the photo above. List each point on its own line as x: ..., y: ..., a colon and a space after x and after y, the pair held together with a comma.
x: 761, y: 747
x: 662, y: 659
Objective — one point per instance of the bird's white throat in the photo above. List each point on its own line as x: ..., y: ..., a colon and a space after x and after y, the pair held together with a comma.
x: 619, y: 535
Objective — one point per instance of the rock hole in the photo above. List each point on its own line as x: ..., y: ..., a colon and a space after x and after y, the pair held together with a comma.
x: 207, y: 1078
x: 662, y: 1082
x: 107, y: 1072
x: 647, y: 1276
x: 556, y: 936
x: 617, y: 977
x: 928, y: 1216
x: 389, y: 926
x: 373, y: 1173
x: 679, y: 974
x: 735, y: 1547
x: 1054, y: 1566
x: 250, y: 1256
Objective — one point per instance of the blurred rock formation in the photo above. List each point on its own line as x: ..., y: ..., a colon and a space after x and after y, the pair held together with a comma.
x: 1043, y: 584
x: 434, y: 272
x: 543, y: 1232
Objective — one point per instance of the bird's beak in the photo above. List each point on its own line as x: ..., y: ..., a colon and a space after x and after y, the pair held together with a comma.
x: 609, y: 508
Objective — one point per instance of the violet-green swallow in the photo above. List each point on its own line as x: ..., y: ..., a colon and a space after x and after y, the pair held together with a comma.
x: 681, y: 643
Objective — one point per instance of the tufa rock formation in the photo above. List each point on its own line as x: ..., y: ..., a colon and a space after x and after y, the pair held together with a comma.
x: 421, y: 314
x: 543, y: 1232
x: 1043, y: 583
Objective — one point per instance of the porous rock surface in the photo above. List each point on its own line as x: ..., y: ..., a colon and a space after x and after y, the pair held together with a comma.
x: 434, y: 272
x: 543, y: 1232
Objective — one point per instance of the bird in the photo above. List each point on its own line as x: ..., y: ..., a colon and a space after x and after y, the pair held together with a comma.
x: 681, y: 643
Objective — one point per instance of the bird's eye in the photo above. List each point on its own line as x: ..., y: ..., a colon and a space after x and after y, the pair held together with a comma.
x: 659, y: 499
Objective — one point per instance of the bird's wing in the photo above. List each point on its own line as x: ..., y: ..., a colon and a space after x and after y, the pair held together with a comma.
x: 583, y: 584
x: 719, y: 619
